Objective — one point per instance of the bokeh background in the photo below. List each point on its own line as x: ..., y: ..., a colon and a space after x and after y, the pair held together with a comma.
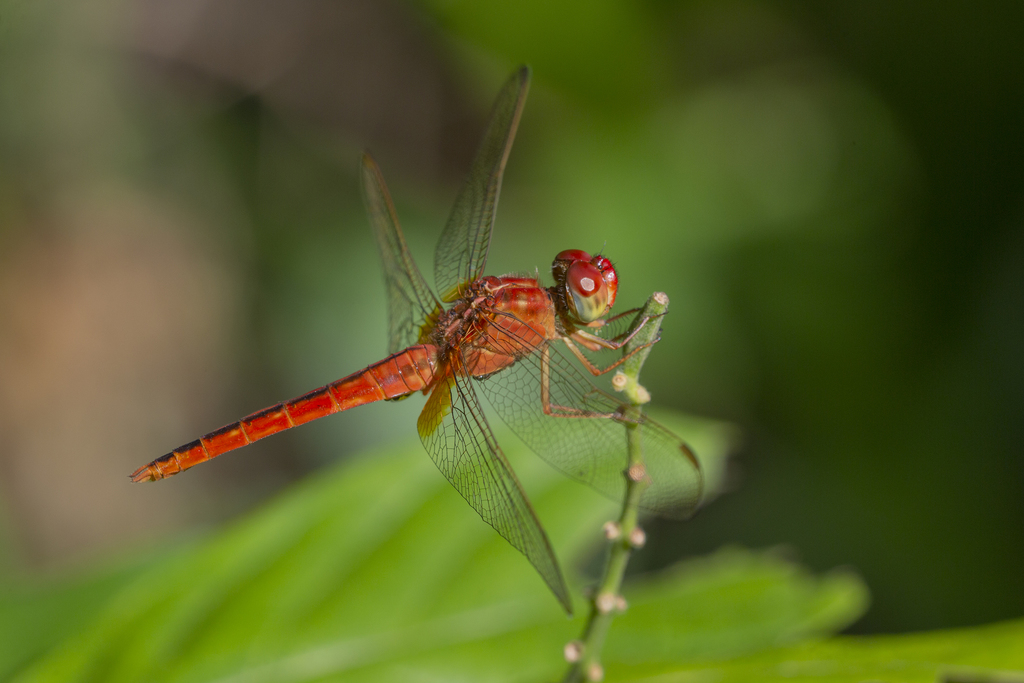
x: 832, y: 195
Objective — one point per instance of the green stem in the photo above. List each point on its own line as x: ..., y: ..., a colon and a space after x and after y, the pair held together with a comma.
x: 625, y: 534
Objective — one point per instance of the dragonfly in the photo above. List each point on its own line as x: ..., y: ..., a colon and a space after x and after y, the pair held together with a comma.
x: 509, y: 338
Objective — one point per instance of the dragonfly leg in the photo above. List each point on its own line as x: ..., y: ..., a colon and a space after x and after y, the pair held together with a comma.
x: 589, y: 344
x: 553, y: 409
x: 617, y: 316
x: 618, y: 341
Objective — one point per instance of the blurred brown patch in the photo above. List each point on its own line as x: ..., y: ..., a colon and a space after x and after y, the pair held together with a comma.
x: 114, y: 329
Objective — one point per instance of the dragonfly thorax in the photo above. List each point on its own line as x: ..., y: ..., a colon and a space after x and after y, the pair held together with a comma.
x: 460, y: 320
x: 508, y: 315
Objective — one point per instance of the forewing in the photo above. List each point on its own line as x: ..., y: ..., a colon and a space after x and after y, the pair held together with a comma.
x: 462, y: 249
x: 411, y: 304
x: 461, y: 444
x: 587, y: 440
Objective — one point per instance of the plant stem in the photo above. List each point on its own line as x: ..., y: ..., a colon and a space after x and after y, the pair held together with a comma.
x: 625, y: 534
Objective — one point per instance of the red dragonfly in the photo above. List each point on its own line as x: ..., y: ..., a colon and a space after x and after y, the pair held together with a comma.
x: 509, y: 338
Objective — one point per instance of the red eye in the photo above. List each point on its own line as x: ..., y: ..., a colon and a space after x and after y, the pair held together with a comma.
x: 588, y: 291
x: 564, y: 260
x: 573, y: 255
x: 584, y: 278
x: 611, y: 278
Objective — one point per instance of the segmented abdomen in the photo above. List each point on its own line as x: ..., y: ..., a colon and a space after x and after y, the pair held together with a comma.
x: 398, y: 375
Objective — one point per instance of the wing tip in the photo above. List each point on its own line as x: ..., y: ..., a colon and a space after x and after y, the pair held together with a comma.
x: 566, y: 601
x: 699, y: 470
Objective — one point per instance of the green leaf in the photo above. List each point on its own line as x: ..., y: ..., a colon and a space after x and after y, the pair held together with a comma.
x: 378, y: 570
x: 988, y: 654
x: 27, y: 624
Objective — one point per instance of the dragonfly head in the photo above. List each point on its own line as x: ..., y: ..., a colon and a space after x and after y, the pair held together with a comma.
x: 590, y: 283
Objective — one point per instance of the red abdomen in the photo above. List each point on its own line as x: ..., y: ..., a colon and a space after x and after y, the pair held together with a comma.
x: 398, y: 375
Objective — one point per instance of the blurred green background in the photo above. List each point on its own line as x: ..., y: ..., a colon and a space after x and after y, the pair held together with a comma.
x: 832, y: 195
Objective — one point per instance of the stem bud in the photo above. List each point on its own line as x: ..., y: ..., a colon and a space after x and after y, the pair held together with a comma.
x: 605, y: 603
x: 637, y: 537
x: 619, y: 380
x: 620, y: 604
x: 573, y: 651
x: 636, y: 472
x: 595, y: 672
x: 612, y: 531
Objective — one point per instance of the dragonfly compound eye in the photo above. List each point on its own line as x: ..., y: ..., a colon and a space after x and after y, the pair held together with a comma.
x: 611, y: 278
x: 573, y: 255
x: 560, y: 266
x: 589, y: 293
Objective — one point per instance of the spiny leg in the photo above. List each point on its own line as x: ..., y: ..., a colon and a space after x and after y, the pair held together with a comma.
x: 587, y: 363
x: 618, y: 316
x: 618, y: 341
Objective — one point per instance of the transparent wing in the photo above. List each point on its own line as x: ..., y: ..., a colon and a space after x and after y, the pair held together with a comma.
x: 462, y: 249
x: 461, y: 444
x: 411, y: 304
x: 556, y: 410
